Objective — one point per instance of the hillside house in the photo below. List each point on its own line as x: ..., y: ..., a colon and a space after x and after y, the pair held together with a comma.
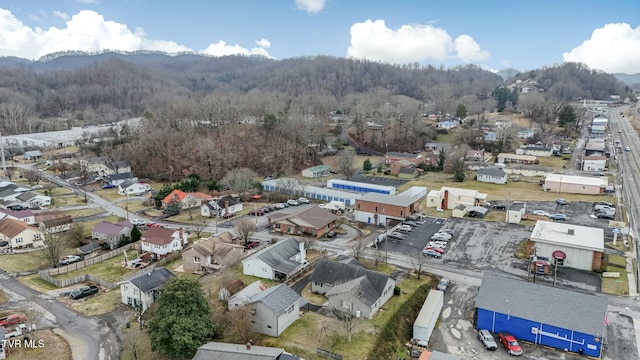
x: 492, y: 175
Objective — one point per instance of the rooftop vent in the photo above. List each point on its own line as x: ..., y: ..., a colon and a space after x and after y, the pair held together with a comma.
x: 571, y: 232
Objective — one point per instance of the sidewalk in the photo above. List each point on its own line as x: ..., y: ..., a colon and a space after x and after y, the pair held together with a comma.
x: 631, y: 275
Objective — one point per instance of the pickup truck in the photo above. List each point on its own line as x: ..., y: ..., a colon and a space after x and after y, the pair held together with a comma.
x: 20, y: 330
x: 13, y: 319
x: 84, y: 292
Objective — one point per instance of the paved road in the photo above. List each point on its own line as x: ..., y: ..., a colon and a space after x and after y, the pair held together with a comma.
x: 89, y: 338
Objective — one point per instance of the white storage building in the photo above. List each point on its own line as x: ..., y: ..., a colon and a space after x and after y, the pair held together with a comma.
x: 574, y: 246
x: 294, y: 188
x: 361, y: 187
x: 428, y: 317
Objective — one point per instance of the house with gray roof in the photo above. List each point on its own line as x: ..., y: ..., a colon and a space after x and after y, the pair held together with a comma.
x: 225, y: 351
x: 275, y: 309
x: 279, y: 261
x: 119, y: 178
x: 110, y: 234
x: 567, y: 320
x: 143, y: 289
x: 492, y: 175
x: 342, y: 282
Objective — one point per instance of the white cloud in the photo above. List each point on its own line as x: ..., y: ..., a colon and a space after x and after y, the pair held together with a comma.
x: 88, y: 1
x: 410, y: 43
x: 311, y: 6
x: 89, y: 31
x: 61, y: 14
x: 613, y: 48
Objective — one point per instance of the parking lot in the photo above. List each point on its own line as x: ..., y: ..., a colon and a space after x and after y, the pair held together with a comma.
x: 416, y: 240
x: 578, y: 213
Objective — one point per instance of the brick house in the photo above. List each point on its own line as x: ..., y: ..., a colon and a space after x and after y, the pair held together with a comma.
x: 373, y: 208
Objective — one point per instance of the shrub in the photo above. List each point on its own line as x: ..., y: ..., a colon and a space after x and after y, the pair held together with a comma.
x: 396, y: 291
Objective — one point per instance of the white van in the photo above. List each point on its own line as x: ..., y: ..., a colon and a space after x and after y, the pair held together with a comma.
x: 627, y: 148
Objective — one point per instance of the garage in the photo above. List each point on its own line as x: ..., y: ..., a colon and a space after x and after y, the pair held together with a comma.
x: 540, y: 314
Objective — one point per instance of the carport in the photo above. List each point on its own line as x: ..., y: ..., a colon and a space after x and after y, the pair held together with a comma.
x: 478, y: 211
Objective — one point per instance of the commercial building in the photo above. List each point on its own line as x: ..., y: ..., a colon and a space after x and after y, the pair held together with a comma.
x: 594, y: 163
x: 361, y: 187
x: 504, y: 158
x: 575, y: 184
x: 376, y: 209
x: 574, y: 246
x: 447, y: 198
x: 294, y: 188
x: 566, y: 320
x: 316, y: 171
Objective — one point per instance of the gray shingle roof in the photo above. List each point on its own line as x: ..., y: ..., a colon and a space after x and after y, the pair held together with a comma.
x: 492, y: 171
x: 516, y: 206
x: 337, y: 272
x: 224, y: 351
x: 360, y: 287
x: 125, y: 184
x: 152, y: 280
x: 545, y: 304
x: 277, y: 298
x: 278, y: 256
x: 121, y: 176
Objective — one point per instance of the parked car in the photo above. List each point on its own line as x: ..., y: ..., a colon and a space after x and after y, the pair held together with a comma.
x: 607, y: 216
x: 331, y: 234
x: 258, y: 212
x: 432, y: 248
x: 292, y: 202
x: 606, y: 203
x: 604, y: 208
x: 108, y: 186
x: 443, y: 284
x: 599, y: 174
x: 558, y: 217
x: 280, y: 205
x: 395, y: 235
x: 69, y: 259
x: 266, y: 209
x: 446, y: 231
x: 541, y: 213
x: 441, y: 237
x: 303, y: 200
x: 137, y: 221
x: 17, y: 207
x: 500, y: 207
x: 510, y: 343
x: 83, y: 292
x: 431, y: 253
x: 410, y: 223
x: 438, y: 244
x: 404, y: 228
x: 561, y: 201
x: 13, y: 319
x: 228, y: 215
x: 250, y: 244
x: 487, y: 339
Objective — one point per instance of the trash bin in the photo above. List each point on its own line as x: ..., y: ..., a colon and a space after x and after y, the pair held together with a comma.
x: 127, y: 325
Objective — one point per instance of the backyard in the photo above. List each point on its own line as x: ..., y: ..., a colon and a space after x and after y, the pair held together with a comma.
x: 109, y: 269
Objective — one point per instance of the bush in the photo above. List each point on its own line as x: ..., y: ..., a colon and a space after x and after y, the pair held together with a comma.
x: 396, y: 291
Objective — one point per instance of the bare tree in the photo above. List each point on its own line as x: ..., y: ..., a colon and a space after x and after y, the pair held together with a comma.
x: 33, y: 176
x: 455, y: 161
x: 288, y: 185
x: 240, y: 320
x: 357, y: 248
x: 418, y: 261
x: 345, y: 163
x: 55, y: 241
x: 240, y: 180
x: 76, y: 233
x: 244, y: 229
x: 83, y: 176
x: 34, y: 313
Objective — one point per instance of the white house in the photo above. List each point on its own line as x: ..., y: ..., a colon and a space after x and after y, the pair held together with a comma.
x: 448, y: 198
x: 219, y: 207
x: 594, y: 163
x: 33, y: 199
x: 537, y: 151
x: 143, y: 289
x: 447, y: 125
x: 18, y: 233
x: 278, y: 261
x: 160, y: 241
x: 275, y: 309
x: 133, y: 188
x: 492, y: 175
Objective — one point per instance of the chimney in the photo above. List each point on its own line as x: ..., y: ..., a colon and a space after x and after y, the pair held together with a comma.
x: 248, y: 346
x: 303, y: 252
x: 571, y: 231
x: 445, y: 201
x: 226, y: 207
x: 181, y: 238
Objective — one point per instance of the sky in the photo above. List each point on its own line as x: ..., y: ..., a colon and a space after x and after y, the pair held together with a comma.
x: 494, y: 34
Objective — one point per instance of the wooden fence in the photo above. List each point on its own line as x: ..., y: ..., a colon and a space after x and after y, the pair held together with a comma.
x: 328, y: 354
x: 46, y: 275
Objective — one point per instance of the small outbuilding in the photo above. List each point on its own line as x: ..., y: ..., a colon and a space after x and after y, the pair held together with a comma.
x: 316, y: 171
x: 477, y: 211
x: 428, y: 317
x: 515, y: 212
x: 459, y: 211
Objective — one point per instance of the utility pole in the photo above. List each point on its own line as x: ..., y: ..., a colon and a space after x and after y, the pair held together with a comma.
x: 4, y: 164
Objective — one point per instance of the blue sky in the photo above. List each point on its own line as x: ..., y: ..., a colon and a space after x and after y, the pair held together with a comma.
x: 493, y: 34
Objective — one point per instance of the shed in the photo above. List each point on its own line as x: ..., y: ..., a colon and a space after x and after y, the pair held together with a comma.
x: 459, y: 211
x: 32, y: 155
x: 89, y: 248
x: 316, y: 171
x: 515, y: 212
x: 477, y: 211
x: 566, y: 320
x: 428, y: 317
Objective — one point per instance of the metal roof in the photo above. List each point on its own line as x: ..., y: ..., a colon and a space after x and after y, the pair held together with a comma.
x: 387, y: 199
x: 575, y: 236
x: 566, y: 309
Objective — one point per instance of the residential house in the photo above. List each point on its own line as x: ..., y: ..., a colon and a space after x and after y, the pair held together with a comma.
x: 32, y: 155
x: 504, y: 158
x: 436, y: 148
x: 394, y: 167
x: 132, y: 188
x: 279, y: 261
x: 119, y: 178
x: 492, y: 175
x: 448, y: 197
x: 51, y: 225
x: 225, y: 351
x: 24, y: 215
x: 408, y: 173
x: 211, y: 254
x: 431, y: 159
x: 18, y: 233
x: 447, y: 124
x: 316, y: 171
x: 490, y: 136
x: 526, y: 134
x: 314, y: 221
x: 221, y: 206
x: 366, y: 293
x: 477, y: 165
x: 243, y: 297
x: 391, y: 157
x: 187, y: 200
x: 111, y: 234
x: 376, y: 209
x: 538, y: 151
x: 33, y: 200
x: 475, y: 155
x: 143, y: 289
x: 160, y: 241
x: 104, y: 166
x: 275, y: 309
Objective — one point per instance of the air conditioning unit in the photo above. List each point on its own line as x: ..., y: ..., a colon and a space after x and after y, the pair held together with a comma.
x: 358, y: 313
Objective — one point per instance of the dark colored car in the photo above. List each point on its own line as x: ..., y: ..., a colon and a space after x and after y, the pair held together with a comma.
x: 500, y: 207
x: 561, y: 201
x: 84, y: 292
x: 17, y: 207
x: 108, y: 186
x: 228, y: 215
x: 258, y: 212
x: 558, y: 217
x: 251, y: 244
x: 606, y: 216
x: 331, y: 234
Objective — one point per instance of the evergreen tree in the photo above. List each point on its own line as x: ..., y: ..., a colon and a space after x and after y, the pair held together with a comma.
x: 566, y: 116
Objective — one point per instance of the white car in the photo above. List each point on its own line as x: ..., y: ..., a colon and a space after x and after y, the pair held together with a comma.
x: 69, y: 259
x: 437, y: 244
x: 303, y: 200
x: 138, y: 222
x: 292, y: 202
x: 541, y: 213
x: 404, y: 228
x: 441, y: 237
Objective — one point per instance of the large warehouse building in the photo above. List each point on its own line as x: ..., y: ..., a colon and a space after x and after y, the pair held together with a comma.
x: 361, y: 187
x: 574, y: 246
x: 575, y: 184
x: 562, y: 319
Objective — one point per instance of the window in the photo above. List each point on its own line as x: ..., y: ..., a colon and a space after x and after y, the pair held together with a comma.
x: 196, y: 259
x: 277, y: 226
x: 288, y: 310
x: 19, y: 240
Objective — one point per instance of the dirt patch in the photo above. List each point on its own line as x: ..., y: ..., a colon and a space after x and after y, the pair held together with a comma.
x: 3, y: 297
x: 43, y: 344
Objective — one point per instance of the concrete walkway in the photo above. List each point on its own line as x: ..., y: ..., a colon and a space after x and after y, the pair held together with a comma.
x: 631, y: 276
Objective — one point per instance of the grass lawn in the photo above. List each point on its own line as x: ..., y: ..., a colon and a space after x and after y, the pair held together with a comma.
x: 109, y: 270
x: 315, y: 299
x: 60, y: 191
x: 330, y: 333
x: 3, y: 297
x: 616, y: 261
x: 98, y: 304
x: 449, y: 138
x: 358, y: 162
x: 54, y: 347
x: 34, y: 282
x: 134, y: 205
x: 109, y: 194
x: 88, y: 225
x: 18, y: 262
x: 553, y: 162
x: 84, y: 212
x: 67, y: 200
x: 616, y: 286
